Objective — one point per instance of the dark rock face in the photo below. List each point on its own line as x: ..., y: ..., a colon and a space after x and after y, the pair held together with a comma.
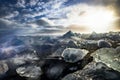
x: 43, y: 50
x: 53, y: 69
x: 15, y: 77
x: 58, y: 52
x: 72, y: 44
x: 94, y: 71
x: 99, y: 71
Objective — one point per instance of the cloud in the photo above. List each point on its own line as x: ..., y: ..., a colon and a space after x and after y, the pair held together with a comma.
x: 48, y: 15
x: 12, y: 15
x: 39, y: 27
x: 43, y: 22
x: 4, y: 11
x: 77, y: 28
x: 6, y: 7
x: 30, y: 9
x: 5, y: 23
x: 8, y: 24
x: 33, y: 2
x: 117, y: 9
x: 21, y: 3
x: 111, y: 4
x: 39, y: 31
x: 100, y: 2
x: 49, y: 9
x: 40, y: 23
x: 8, y: 27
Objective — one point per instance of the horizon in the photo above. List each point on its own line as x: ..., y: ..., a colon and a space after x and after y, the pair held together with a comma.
x: 40, y: 17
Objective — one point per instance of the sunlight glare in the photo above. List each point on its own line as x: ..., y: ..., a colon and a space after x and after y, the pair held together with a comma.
x: 95, y: 19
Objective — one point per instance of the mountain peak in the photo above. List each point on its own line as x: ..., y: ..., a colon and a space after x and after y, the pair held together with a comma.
x: 68, y: 34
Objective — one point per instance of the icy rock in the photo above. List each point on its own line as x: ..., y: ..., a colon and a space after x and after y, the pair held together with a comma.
x: 58, y: 52
x: 29, y: 71
x: 88, y: 44
x: 118, y: 49
x: 72, y: 43
x: 73, y: 55
x: 20, y: 60
x: 104, y: 44
x: 109, y: 56
x: 3, y: 68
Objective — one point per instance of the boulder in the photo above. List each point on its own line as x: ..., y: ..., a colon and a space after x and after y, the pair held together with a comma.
x: 3, y: 68
x: 94, y: 71
x: 118, y: 49
x: 109, y: 56
x: 73, y: 55
x: 72, y: 44
x: 104, y: 44
x: 29, y: 71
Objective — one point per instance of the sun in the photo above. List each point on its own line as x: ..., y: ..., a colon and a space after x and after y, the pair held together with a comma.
x: 98, y: 19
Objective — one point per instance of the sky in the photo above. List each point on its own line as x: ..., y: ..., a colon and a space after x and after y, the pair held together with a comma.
x: 43, y: 17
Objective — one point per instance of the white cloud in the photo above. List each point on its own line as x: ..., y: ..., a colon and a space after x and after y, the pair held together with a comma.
x: 94, y: 18
x: 53, y: 8
x: 12, y: 15
x: 9, y: 24
x: 21, y: 3
x: 33, y: 2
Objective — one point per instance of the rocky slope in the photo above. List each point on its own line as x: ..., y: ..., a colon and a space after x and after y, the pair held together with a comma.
x: 69, y: 57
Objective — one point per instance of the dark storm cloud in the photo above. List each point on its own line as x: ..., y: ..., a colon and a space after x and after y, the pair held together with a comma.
x: 41, y: 22
x: 40, y: 27
x: 44, y: 23
x: 34, y: 28
x: 38, y: 31
x: 4, y: 11
x: 6, y: 7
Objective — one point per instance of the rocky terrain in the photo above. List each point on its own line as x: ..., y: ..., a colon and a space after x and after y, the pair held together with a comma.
x: 72, y: 56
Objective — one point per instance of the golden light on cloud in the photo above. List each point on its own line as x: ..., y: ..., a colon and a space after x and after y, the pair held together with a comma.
x: 93, y: 18
x: 77, y: 28
x: 98, y: 19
